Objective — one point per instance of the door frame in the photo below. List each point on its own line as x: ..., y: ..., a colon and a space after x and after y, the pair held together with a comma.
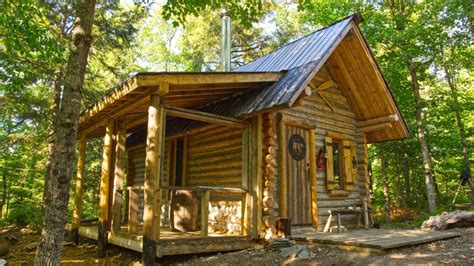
x: 284, y: 121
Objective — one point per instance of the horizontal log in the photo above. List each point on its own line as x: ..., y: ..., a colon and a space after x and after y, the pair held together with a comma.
x: 207, y: 78
x: 376, y: 127
x: 205, y: 117
x: 378, y: 120
x: 326, y: 85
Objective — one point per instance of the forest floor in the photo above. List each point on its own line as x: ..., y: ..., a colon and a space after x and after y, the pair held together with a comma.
x: 459, y: 250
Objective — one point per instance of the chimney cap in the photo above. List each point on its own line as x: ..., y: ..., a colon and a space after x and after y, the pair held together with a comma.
x: 224, y: 13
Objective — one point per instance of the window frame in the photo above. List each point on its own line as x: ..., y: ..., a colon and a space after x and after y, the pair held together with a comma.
x: 348, y: 170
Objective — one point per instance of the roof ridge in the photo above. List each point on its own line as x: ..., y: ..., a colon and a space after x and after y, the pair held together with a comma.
x: 352, y: 16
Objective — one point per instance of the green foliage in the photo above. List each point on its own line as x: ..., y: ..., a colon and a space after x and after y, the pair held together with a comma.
x: 244, y: 11
x: 25, y: 214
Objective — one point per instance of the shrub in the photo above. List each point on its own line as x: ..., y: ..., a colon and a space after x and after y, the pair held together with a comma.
x: 24, y: 215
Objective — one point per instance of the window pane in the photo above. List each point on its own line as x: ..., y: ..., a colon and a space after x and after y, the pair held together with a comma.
x: 337, y: 164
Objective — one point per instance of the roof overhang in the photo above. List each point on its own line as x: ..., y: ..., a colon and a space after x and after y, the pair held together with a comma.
x: 185, y: 89
x: 353, y: 66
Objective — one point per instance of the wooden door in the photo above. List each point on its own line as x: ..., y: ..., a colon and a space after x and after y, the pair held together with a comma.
x: 298, y: 175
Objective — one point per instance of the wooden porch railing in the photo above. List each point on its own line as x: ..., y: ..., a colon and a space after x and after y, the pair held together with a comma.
x: 204, y: 205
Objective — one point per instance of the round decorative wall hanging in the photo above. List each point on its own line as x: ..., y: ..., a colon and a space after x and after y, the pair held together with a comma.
x: 297, y: 147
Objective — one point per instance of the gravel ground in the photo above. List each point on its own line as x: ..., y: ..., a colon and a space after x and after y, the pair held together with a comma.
x: 457, y: 251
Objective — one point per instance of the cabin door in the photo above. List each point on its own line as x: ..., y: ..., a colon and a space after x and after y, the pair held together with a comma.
x: 298, y: 175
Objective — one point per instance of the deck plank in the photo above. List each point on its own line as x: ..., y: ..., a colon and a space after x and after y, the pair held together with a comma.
x: 375, y: 238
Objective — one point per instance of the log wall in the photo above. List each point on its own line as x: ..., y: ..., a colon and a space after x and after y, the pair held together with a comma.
x: 136, y: 174
x: 333, y: 114
x: 215, y: 158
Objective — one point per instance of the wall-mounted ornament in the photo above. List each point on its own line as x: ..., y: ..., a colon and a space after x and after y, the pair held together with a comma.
x: 297, y: 147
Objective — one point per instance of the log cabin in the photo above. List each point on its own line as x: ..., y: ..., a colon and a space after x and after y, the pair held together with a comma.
x: 210, y: 161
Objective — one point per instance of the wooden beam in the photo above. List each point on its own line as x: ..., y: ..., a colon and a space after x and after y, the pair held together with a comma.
x: 322, y: 96
x: 184, y: 175
x: 206, y: 78
x: 118, y: 177
x: 123, y: 90
x: 76, y: 215
x: 245, y: 218
x: 205, y: 213
x: 205, y: 117
x: 378, y: 120
x: 246, y: 199
x: 104, y: 190
x: 124, y: 108
x: 326, y: 85
x: 313, y: 178
x: 256, y: 182
x: 283, y: 188
x: 132, y: 211
x: 153, y: 169
x: 375, y: 127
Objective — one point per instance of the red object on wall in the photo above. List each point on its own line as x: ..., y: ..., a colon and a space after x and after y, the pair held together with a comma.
x: 321, y: 159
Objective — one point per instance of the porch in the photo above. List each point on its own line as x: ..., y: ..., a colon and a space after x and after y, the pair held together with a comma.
x: 170, y: 203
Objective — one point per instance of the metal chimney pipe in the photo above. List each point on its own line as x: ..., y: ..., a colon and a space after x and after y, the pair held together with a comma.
x: 225, y: 41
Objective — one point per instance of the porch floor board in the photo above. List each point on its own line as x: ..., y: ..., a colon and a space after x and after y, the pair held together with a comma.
x: 382, y: 239
x: 171, y: 243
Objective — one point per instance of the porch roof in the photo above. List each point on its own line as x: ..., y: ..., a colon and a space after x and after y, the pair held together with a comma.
x: 186, y: 90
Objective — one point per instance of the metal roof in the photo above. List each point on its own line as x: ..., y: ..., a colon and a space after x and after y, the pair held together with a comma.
x: 310, y: 48
x: 300, y: 59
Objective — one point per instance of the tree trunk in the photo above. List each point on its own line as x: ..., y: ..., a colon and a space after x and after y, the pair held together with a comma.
x: 4, y: 192
x: 462, y: 134
x: 407, y: 190
x: 55, y: 110
x: 63, y: 157
x: 430, y: 191
x: 386, y: 194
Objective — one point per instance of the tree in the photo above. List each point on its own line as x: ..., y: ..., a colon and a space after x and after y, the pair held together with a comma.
x: 451, y: 48
x: 63, y: 151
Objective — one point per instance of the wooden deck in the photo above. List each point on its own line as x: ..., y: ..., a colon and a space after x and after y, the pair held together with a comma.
x: 375, y: 238
x: 172, y: 243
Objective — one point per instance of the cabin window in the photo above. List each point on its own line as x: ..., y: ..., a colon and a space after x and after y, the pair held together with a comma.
x: 178, y: 181
x: 341, y: 164
x: 337, y: 163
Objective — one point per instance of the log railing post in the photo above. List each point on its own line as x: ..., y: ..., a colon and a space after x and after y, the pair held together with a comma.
x: 118, y: 177
x: 76, y: 215
x: 132, y: 211
x: 245, y: 222
x: 153, y: 171
x: 205, y: 213
x: 104, y: 190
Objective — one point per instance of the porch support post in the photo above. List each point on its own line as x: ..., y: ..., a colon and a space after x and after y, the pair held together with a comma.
x: 283, y: 188
x: 256, y: 182
x: 153, y: 171
x: 313, y: 179
x: 118, y: 176
x: 76, y: 215
x: 104, y: 190
x: 246, y: 199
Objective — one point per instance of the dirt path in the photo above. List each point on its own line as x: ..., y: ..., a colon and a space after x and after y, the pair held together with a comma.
x: 459, y: 251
